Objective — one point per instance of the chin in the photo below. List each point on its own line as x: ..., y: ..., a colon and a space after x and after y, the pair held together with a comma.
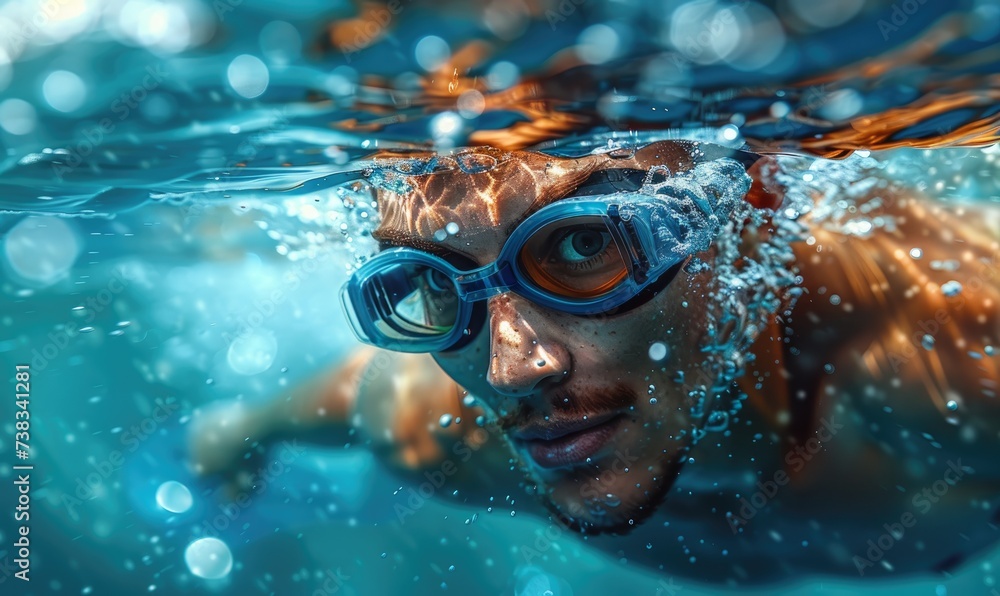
x: 578, y: 497
x: 600, y: 516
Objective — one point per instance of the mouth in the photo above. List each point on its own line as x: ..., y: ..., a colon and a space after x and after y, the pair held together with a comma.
x: 567, y: 443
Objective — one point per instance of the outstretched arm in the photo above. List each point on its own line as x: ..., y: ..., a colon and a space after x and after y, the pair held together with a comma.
x: 392, y: 402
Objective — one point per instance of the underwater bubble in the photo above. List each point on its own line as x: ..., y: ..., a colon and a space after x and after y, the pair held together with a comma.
x: 252, y: 353
x: 501, y: 75
x: 916, y: 253
x: 834, y: 299
x: 158, y: 108
x: 162, y: 27
x: 64, y: 91
x: 760, y: 36
x: 209, y: 558
x: 717, y: 421
x: 174, y: 497
x: 841, y: 105
x: 445, y: 420
x: 780, y: 109
x: 657, y: 351
x: 17, y: 116
x: 691, y: 19
x: 248, y: 75
x: 280, y: 41
x: 440, y: 235
x: 597, y: 44
x: 471, y: 104
x: 445, y: 125
x: 951, y: 288
x: 927, y: 342
x: 729, y: 132
x: 431, y: 52
x: 859, y: 227
x: 946, y: 265
x: 451, y: 228
x: 41, y: 249
x: 340, y: 86
x: 952, y: 405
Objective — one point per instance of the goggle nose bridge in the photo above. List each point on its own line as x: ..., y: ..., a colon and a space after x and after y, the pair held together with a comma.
x: 481, y: 284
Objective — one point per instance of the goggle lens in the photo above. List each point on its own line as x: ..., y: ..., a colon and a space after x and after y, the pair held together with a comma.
x: 576, y: 258
x: 412, y: 301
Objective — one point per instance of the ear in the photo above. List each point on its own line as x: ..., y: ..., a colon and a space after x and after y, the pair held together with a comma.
x: 765, y: 192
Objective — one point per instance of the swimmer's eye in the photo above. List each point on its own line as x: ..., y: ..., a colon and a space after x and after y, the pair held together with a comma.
x: 580, y: 246
x: 576, y: 260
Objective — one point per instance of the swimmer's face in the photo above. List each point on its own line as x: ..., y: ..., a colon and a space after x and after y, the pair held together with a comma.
x: 597, y: 409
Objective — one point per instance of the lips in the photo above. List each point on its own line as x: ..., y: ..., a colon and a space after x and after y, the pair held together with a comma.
x: 566, y: 443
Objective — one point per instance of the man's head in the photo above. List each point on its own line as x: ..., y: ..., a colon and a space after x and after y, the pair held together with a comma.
x: 600, y: 409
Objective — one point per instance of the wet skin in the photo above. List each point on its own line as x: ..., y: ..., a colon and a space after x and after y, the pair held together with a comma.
x: 542, y: 373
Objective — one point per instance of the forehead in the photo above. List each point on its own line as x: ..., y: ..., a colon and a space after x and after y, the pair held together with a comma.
x: 484, y: 191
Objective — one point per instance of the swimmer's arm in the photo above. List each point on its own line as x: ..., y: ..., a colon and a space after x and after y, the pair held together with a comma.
x: 327, y: 399
x: 390, y: 402
x: 414, y: 417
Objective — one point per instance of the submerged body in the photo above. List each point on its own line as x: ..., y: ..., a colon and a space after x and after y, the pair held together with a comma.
x: 874, y: 419
x: 873, y: 382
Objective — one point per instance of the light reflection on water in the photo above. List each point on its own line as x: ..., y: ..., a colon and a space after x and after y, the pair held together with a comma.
x: 222, y: 137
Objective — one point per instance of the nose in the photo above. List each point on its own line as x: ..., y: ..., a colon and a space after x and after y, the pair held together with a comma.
x: 524, y: 354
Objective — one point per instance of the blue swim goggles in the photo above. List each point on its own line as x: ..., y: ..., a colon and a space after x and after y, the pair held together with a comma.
x: 582, y: 255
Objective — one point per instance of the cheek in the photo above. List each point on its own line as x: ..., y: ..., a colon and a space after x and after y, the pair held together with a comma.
x: 467, y: 366
x: 679, y: 318
x: 630, y: 339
